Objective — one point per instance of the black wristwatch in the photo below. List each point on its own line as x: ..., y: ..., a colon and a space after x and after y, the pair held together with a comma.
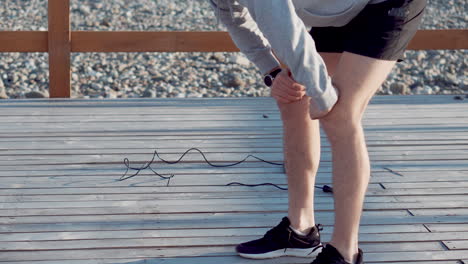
x: 268, y: 79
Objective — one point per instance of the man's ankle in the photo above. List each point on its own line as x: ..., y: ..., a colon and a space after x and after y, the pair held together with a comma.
x: 302, y: 232
x: 303, y: 225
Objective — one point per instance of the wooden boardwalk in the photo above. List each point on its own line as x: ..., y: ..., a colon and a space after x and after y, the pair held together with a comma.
x: 61, y: 201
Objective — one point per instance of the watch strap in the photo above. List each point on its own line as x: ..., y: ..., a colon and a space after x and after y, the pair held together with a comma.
x: 268, y: 79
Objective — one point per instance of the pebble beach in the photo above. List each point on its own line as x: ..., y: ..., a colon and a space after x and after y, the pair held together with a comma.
x: 161, y: 75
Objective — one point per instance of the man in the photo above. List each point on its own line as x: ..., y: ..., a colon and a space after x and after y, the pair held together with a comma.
x: 332, y: 73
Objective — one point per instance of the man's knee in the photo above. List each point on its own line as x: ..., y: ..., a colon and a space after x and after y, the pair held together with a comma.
x: 347, y: 113
x: 295, y: 110
x: 341, y: 122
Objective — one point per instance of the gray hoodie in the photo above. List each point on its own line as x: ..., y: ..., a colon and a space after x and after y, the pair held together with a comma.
x: 259, y: 26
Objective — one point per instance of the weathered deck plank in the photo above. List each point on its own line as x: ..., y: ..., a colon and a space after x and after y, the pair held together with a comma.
x: 60, y: 201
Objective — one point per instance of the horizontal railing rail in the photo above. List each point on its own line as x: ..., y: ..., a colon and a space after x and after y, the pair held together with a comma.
x: 59, y: 41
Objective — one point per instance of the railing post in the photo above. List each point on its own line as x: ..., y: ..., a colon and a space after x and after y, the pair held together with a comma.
x: 59, y: 45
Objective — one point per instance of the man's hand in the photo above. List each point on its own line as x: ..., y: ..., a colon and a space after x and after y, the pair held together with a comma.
x: 285, y: 89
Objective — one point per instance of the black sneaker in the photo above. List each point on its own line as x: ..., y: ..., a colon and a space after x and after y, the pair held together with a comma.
x: 282, y: 241
x: 330, y: 255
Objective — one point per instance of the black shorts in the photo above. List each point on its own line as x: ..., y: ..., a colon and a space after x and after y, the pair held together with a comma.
x: 380, y: 31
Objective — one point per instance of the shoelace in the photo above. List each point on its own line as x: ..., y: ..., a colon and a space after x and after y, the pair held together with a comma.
x: 319, y: 227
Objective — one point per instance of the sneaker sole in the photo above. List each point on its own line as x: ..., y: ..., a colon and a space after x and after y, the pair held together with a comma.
x: 290, y: 252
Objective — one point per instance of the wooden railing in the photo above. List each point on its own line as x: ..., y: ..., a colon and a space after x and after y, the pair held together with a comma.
x: 59, y: 41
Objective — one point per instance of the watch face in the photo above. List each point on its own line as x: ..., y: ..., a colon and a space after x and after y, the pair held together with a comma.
x: 268, y: 80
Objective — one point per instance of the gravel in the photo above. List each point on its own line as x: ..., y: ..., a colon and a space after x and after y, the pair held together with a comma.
x: 131, y: 75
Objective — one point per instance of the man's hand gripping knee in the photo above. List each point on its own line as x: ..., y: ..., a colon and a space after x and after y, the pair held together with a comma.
x: 285, y: 89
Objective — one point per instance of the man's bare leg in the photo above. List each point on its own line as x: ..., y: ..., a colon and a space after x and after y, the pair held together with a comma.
x: 302, y: 155
x: 357, y: 79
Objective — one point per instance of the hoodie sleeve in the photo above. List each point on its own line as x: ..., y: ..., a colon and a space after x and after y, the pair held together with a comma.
x: 288, y: 37
x: 245, y: 33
